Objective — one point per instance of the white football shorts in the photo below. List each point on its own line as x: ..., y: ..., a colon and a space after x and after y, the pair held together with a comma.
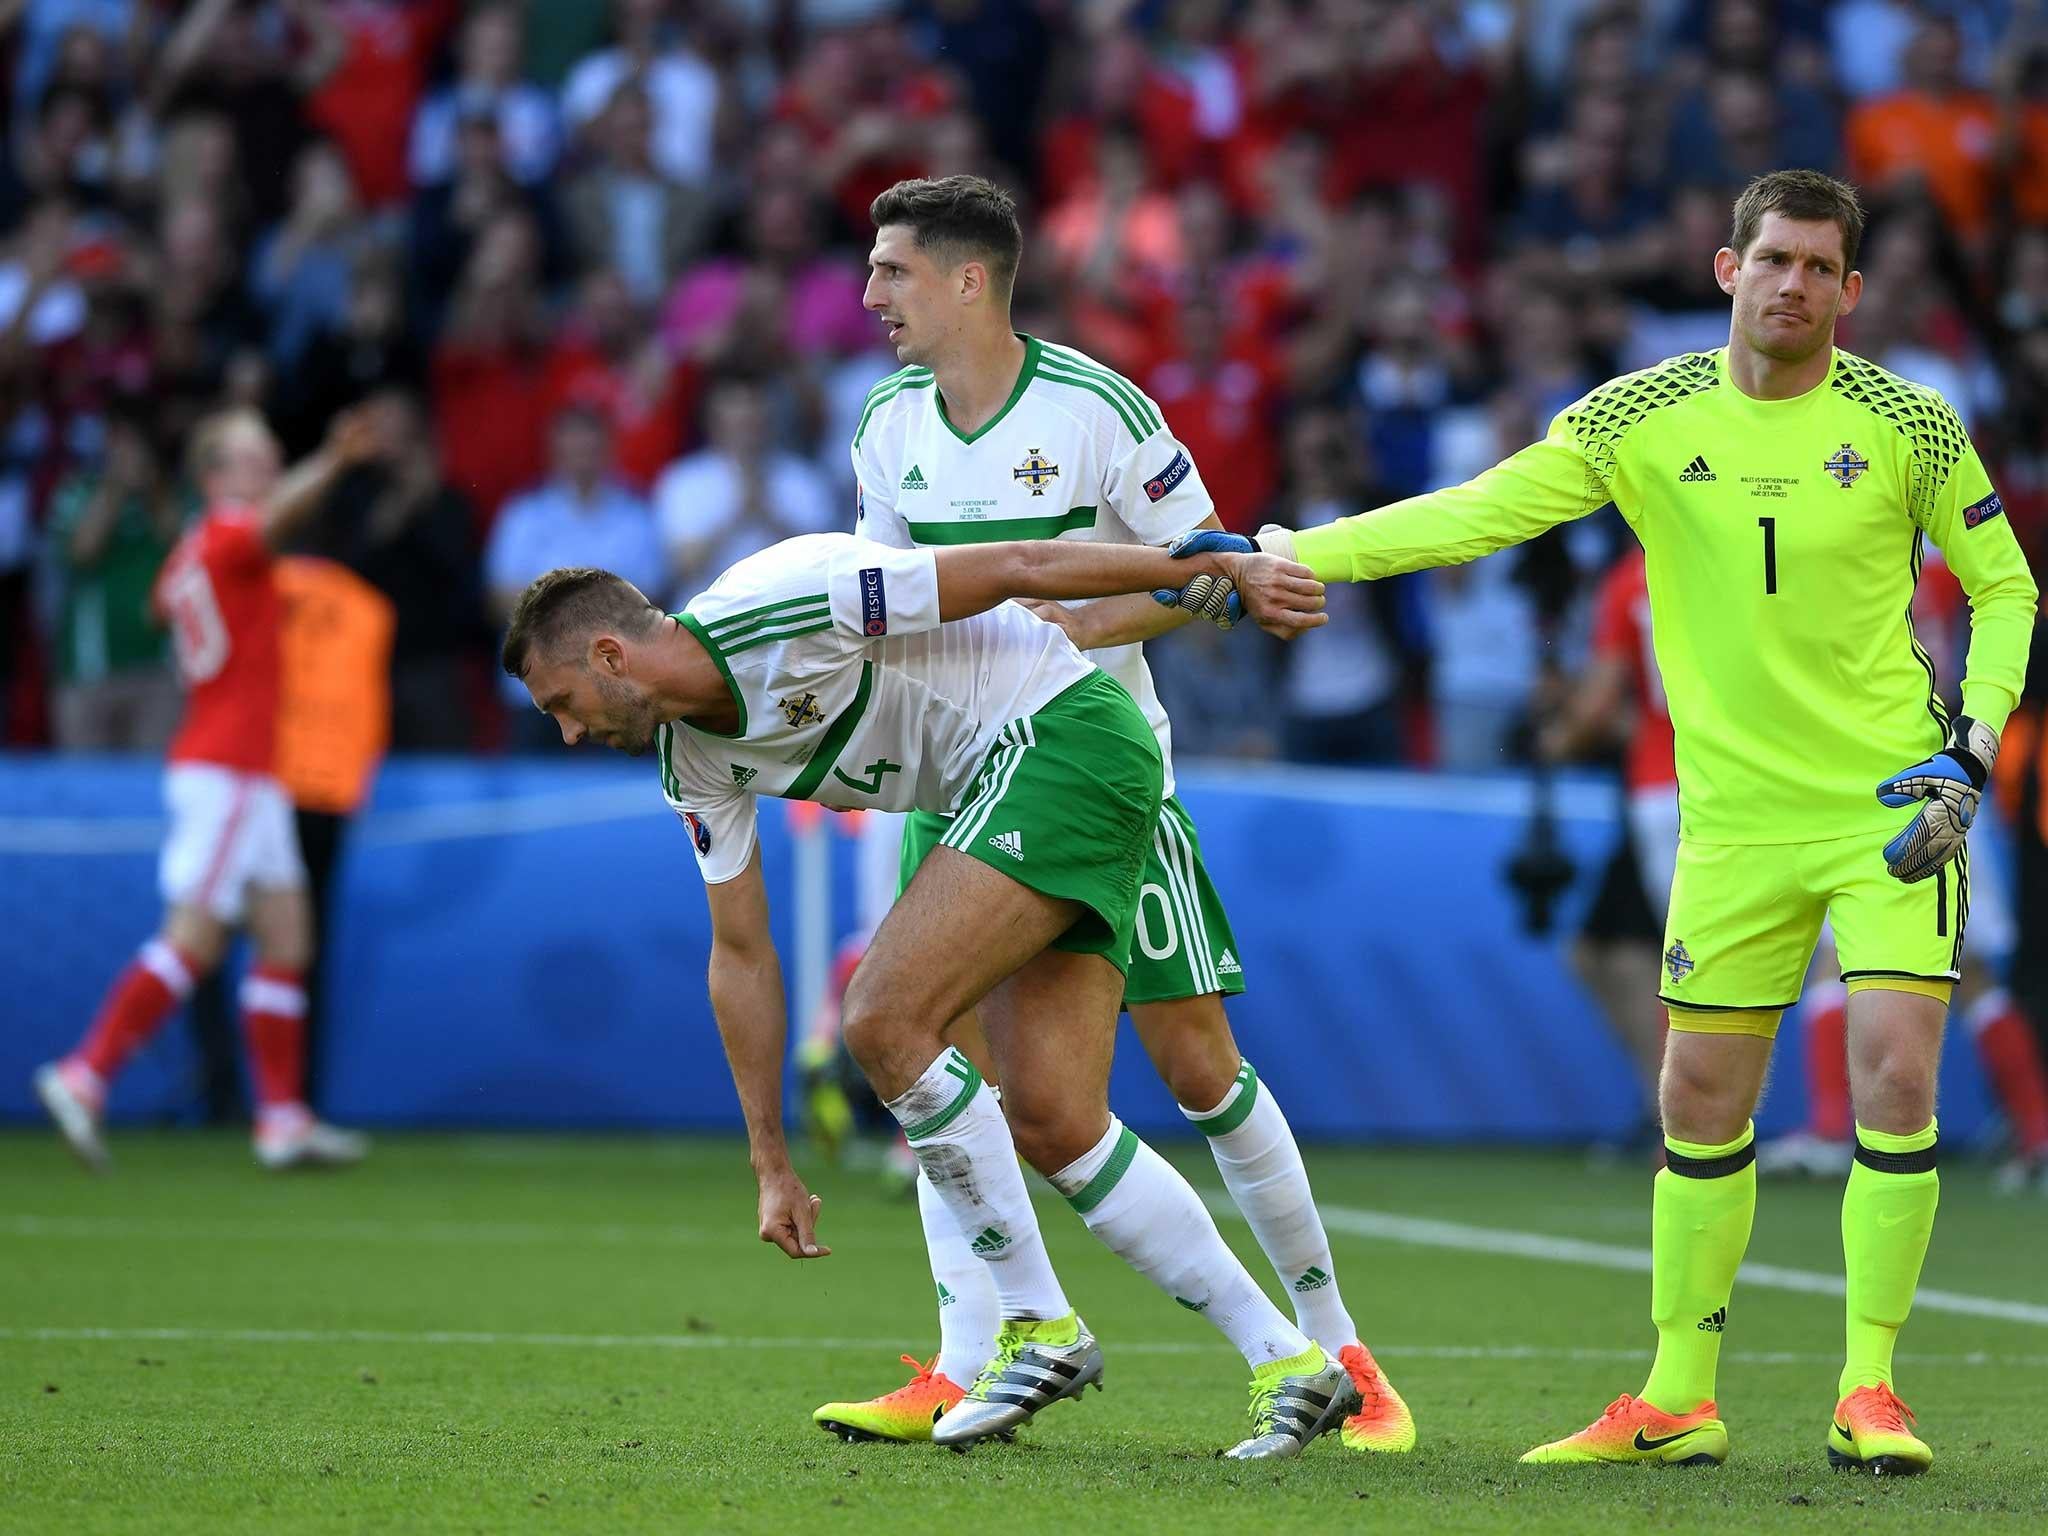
x: 1653, y: 828
x: 229, y: 831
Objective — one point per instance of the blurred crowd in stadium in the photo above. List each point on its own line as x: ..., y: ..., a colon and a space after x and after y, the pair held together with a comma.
x: 602, y: 265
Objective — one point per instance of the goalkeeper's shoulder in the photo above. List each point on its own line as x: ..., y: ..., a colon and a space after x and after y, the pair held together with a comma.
x: 1599, y: 419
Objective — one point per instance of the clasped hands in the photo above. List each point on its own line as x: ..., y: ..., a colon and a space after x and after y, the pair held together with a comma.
x: 1244, y: 578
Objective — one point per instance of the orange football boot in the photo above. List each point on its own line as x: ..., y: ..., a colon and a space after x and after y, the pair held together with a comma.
x: 1872, y: 1433
x: 1632, y: 1430
x: 1383, y: 1422
x: 908, y: 1413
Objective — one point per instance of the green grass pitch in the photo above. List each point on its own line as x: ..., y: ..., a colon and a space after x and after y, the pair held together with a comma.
x: 569, y: 1335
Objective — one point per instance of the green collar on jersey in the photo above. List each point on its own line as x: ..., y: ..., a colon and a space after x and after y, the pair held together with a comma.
x: 1024, y: 375
x: 689, y: 622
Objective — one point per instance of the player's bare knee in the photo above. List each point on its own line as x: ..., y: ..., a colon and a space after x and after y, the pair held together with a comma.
x: 1700, y: 1105
x: 1895, y: 1093
x: 1191, y: 1048
x: 197, y: 935
x: 884, y: 1032
x: 1049, y: 1133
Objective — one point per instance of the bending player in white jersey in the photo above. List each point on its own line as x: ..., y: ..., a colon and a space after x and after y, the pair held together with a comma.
x: 834, y: 669
x: 991, y: 435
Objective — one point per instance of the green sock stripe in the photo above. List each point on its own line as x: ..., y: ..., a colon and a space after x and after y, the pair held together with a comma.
x: 1097, y: 1189
x: 1237, y: 1105
x: 970, y: 1080
x: 1701, y: 1160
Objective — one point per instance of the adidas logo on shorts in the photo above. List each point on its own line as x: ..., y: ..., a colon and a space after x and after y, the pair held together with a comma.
x: 1011, y: 843
x: 1227, y: 965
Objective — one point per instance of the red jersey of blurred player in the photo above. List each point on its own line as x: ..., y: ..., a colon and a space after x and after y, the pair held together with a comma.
x: 218, y: 595
x: 1621, y: 629
x: 231, y: 858
x: 1621, y: 635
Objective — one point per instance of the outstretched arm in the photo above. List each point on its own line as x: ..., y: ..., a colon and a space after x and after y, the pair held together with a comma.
x: 974, y: 578
x: 747, y: 998
x: 1547, y: 483
x: 351, y: 440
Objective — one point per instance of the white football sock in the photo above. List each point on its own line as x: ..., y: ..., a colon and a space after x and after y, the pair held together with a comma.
x: 1261, y: 1167
x: 969, y: 1313
x: 963, y: 1147
x: 1152, y: 1219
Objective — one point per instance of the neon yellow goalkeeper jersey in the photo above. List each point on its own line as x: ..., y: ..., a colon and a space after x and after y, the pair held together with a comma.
x: 1783, y: 539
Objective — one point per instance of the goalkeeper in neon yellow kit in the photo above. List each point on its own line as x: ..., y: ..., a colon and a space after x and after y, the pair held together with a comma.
x: 1783, y: 491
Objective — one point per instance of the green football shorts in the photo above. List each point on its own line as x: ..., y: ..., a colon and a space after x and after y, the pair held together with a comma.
x: 1065, y: 803
x: 1181, y: 944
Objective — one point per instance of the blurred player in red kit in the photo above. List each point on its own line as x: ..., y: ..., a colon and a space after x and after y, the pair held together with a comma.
x: 231, y: 858
x: 1621, y: 695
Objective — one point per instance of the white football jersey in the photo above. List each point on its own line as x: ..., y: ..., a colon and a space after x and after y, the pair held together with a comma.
x: 1077, y: 452
x: 850, y: 691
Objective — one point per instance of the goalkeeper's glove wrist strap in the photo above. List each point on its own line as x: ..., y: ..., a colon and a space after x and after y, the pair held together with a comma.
x: 1275, y: 540
x: 1974, y: 745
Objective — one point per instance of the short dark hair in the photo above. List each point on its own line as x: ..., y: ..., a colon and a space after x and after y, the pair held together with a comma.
x: 571, y: 602
x: 1806, y: 195
x: 963, y: 215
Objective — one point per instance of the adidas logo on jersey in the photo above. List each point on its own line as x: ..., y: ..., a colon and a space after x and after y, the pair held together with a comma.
x: 1696, y: 471
x: 1011, y: 843
x: 1226, y: 965
x: 915, y: 480
x: 743, y: 776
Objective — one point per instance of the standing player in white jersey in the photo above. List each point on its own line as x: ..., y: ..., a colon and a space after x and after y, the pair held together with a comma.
x: 990, y: 435
x: 834, y: 669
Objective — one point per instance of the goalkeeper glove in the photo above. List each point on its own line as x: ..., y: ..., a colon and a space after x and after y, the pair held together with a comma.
x: 1951, y: 783
x: 1214, y: 598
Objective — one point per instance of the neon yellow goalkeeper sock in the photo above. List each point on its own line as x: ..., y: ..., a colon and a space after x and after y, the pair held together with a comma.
x: 1701, y: 1213
x: 1887, y: 1218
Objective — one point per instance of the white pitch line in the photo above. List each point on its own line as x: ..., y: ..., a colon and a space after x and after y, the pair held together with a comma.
x: 713, y: 1341
x: 354, y: 1231
x: 1426, y: 1232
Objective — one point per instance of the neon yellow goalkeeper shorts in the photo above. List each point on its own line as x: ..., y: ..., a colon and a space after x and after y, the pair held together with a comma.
x: 1745, y: 917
